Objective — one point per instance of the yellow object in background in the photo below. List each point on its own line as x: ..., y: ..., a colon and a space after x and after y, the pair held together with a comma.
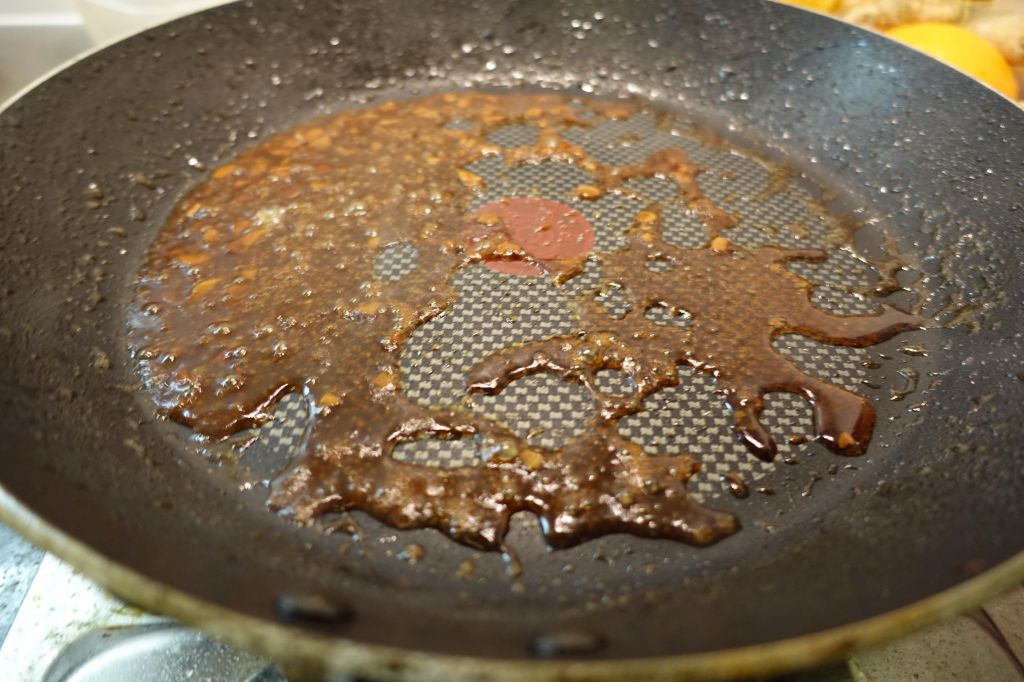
x: 961, y: 48
x: 820, y: 5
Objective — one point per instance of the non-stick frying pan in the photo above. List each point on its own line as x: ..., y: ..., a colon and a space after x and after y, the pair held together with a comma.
x: 928, y: 522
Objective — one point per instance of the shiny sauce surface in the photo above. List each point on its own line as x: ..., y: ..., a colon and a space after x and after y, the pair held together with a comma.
x: 262, y: 283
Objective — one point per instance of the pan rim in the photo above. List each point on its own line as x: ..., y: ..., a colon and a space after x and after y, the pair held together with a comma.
x: 312, y: 654
x: 304, y: 653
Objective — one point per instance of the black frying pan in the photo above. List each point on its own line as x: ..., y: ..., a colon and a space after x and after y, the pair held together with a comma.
x: 89, y: 472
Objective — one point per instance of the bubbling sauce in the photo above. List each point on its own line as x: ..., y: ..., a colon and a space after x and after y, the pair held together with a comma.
x: 262, y: 283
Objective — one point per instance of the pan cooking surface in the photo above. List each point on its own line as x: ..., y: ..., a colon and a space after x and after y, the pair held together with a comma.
x: 263, y: 282
x: 495, y: 310
x: 931, y: 172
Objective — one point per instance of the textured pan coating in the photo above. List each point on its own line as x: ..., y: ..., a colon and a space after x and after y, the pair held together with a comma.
x: 91, y: 177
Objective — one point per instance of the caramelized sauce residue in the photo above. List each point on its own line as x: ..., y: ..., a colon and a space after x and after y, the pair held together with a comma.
x: 262, y: 283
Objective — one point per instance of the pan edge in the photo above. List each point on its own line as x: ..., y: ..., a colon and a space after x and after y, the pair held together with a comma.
x: 312, y: 656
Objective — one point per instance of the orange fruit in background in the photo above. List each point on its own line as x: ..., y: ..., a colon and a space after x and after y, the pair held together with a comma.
x: 962, y: 49
x: 820, y: 5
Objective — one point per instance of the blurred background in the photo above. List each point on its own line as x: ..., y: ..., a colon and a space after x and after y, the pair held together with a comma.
x: 37, y: 35
x: 983, y: 38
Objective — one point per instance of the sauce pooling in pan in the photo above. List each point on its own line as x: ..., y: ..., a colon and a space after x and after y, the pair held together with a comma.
x: 262, y: 283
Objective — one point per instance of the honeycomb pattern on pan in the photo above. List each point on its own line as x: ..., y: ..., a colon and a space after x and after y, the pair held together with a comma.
x: 395, y: 261
x: 494, y: 310
x: 514, y: 135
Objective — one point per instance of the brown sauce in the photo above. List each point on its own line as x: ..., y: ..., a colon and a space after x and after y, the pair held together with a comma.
x: 262, y: 283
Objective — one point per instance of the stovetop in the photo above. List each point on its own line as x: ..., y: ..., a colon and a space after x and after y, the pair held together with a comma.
x: 57, y: 626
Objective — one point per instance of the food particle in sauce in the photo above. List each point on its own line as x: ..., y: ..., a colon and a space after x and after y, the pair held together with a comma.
x: 589, y: 192
x: 737, y: 486
x: 412, y: 553
x: 910, y: 377
x: 721, y: 245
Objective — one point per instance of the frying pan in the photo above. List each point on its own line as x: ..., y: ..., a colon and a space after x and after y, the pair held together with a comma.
x: 927, y: 524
